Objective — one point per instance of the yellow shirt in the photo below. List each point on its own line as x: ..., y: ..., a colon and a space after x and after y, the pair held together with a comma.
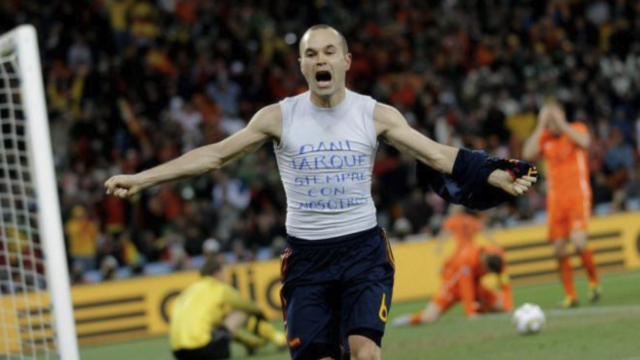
x: 521, y: 125
x: 82, y: 237
x: 118, y: 14
x: 143, y: 17
x: 199, y: 308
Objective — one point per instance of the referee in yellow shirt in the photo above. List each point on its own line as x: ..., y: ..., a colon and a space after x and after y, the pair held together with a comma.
x: 210, y: 313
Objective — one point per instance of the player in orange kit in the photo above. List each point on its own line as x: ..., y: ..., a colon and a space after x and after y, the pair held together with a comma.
x: 564, y: 147
x: 464, y: 227
x: 461, y: 281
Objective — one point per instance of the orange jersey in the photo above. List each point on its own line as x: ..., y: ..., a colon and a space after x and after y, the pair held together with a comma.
x: 569, y: 200
x: 461, y: 281
x: 463, y: 227
x: 567, y: 166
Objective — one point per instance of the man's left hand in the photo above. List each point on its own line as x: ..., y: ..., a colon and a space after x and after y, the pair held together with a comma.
x: 505, y: 181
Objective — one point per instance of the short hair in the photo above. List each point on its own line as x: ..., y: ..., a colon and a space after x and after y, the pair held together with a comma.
x: 345, y: 47
x: 494, y: 262
x: 210, y: 266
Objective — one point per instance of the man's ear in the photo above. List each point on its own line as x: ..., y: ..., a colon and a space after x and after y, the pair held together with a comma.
x: 347, y: 59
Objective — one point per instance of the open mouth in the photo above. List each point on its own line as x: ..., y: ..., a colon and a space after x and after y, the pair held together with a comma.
x: 323, y: 78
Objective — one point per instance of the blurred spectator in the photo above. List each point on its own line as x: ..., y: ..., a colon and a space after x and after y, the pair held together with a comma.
x: 83, y: 235
x: 118, y: 13
x: 401, y: 228
x: 79, y: 54
x: 132, y: 83
x: 619, y: 160
x: 210, y: 247
x: 78, y: 274
x: 631, y: 191
x: 225, y: 92
x: 108, y: 268
x: 620, y: 155
x: 178, y: 257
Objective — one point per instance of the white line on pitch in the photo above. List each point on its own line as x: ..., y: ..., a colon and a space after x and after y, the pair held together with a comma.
x: 594, y: 310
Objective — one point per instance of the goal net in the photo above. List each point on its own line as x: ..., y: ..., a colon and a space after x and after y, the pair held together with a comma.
x: 36, y: 319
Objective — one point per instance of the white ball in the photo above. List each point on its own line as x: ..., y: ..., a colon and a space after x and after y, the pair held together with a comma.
x: 529, y: 319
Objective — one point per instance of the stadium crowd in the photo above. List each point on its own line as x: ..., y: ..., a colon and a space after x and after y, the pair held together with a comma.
x: 133, y: 83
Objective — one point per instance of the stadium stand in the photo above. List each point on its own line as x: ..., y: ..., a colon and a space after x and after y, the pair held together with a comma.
x: 133, y: 83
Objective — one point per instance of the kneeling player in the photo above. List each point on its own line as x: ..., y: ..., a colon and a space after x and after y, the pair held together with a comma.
x: 461, y: 281
x: 210, y: 313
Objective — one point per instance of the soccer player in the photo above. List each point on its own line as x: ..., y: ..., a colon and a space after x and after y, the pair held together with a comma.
x: 464, y: 227
x: 461, y: 281
x: 564, y: 146
x: 337, y: 269
x: 210, y: 313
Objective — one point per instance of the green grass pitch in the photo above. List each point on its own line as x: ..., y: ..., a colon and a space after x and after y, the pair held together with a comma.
x: 608, y: 330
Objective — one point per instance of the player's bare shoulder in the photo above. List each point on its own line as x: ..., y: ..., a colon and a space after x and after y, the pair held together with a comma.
x: 385, y: 118
x: 268, y: 121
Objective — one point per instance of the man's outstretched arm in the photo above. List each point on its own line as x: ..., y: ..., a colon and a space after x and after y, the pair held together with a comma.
x: 393, y: 127
x: 265, y: 125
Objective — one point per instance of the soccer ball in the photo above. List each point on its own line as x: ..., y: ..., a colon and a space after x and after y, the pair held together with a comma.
x: 529, y: 319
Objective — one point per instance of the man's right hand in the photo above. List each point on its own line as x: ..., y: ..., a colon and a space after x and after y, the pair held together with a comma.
x: 123, y: 186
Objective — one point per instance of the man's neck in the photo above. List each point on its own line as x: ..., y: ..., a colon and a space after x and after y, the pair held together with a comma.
x: 330, y: 101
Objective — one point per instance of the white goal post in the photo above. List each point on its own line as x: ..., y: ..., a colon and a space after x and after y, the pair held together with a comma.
x: 36, y: 312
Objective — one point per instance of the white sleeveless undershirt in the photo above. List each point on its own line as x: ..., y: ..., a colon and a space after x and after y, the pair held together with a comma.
x: 326, y: 157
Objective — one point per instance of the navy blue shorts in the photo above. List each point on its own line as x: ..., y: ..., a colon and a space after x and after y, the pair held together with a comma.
x: 335, y: 288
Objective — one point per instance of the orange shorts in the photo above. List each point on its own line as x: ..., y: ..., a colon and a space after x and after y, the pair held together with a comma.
x: 449, y: 296
x: 568, y: 216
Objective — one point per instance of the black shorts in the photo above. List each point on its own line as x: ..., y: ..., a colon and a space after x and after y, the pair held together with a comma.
x: 335, y: 288
x: 219, y: 348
